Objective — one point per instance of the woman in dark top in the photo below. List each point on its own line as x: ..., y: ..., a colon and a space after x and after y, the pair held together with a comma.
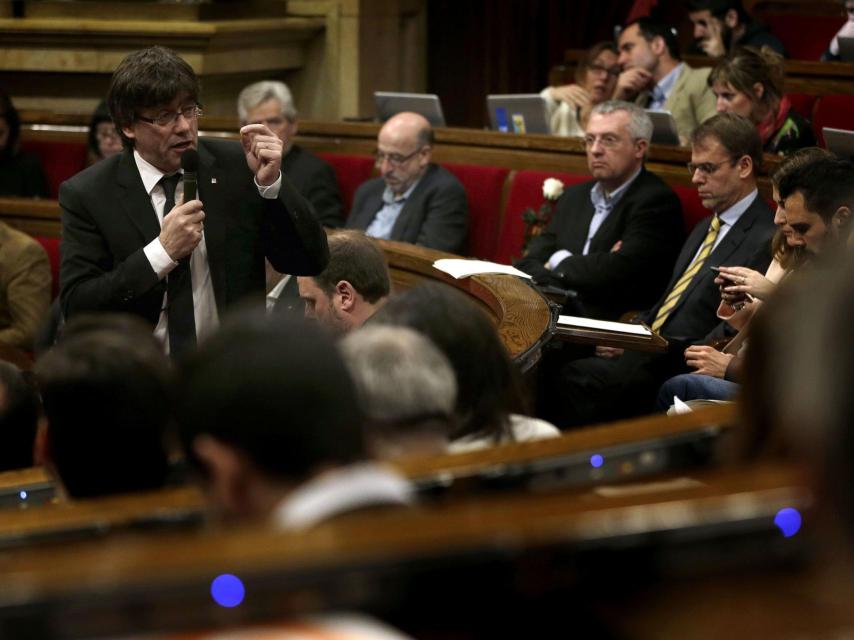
x: 103, y: 140
x: 749, y: 83
x: 21, y: 174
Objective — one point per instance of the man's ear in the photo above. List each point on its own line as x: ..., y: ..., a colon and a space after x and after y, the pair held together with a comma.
x: 345, y: 295
x: 745, y: 166
x: 129, y: 133
x: 227, y: 474
x: 842, y: 218
x: 731, y: 19
x: 657, y: 45
x: 758, y: 90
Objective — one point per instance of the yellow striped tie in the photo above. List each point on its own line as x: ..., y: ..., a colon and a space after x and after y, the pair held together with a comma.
x: 682, y: 284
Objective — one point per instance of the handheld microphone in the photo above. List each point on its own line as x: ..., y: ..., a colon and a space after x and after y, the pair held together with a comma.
x: 190, y: 165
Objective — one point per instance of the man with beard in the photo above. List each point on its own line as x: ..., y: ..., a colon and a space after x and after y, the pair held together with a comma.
x: 722, y: 25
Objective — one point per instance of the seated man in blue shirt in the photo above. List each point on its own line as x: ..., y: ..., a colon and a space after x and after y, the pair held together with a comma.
x: 415, y: 200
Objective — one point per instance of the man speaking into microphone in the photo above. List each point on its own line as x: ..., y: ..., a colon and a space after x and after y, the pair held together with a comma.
x: 174, y: 242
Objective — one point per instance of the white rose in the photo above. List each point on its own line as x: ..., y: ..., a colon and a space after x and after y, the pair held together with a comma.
x: 552, y: 189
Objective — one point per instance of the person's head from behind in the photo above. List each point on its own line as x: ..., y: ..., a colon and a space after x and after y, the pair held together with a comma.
x: 598, y: 70
x: 749, y: 83
x: 616, y: 140
x: 487, y: 387
x: 106, y: 393
x: 404, y: 150
x: 10, y: 126
x: 354, y: 284
x: 407, y: 388
x: 723, y: 17
x: 103, y: 139
x: 269, y: 102
x: 726, y: 154
x: 645, y: 43
x: 154, y: 102
x: 794, y: 255
x: 818, y: 199
x: 19, y: 414
x: 264, y: 405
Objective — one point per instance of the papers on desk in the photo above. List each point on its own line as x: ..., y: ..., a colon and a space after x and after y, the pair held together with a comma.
x: 461, y: 268
x: 603, y: 325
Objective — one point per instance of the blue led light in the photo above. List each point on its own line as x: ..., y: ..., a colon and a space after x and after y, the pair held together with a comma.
x: 596, y: 461
x: 23, y: 495
x: 227, y: 590
x: 788, y: 520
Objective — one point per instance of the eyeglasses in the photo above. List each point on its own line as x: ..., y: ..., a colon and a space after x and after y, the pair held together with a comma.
x: 706, y: 168
x: 598, y: 68
x: 394, y: 159
x: 168, y: 117
x: 609, y: 141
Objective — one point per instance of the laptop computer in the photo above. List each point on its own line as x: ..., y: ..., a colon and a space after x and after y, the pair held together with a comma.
x: 518, y: 113
x: 663, y: 128
x: 846, y: 49
x: 839, y: 141
x: 389, y: 103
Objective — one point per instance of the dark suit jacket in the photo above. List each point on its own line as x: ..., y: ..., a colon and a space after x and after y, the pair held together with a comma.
x: 316, y: 181
x: 748, y: 244
x: 435, y: 214
x: 107, y: 219
x: 647, y: 220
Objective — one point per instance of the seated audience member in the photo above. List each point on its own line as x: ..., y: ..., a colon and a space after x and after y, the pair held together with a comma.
x: 407, y: 389
x: 106, y: 389
x: 21, y: 174
x: 414, y: 200
x: 750, y: 83
x: 654, y: 76
x: 25, y: 287
x: 19, y: 414
x: 569, y: 105
x: 351, y: 288
x: 722, y: 25
x: 488, y: 394
x: 743, y: 290
x: 103, y: 140
x: 847, y: 31
x: 269, y: 102
x: 725, y: 157
x: 614, y: 239
x: 271, y: 416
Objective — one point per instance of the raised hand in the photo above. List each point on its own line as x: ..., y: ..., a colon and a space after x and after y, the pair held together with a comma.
x: 572, y: 94
x: 263, y: 151
x: 631, y: 82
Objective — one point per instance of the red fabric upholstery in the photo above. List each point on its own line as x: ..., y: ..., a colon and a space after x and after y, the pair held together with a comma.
x: 692, y: 208
x: 526, y: 191
x: 484, y: 187
x: 803, y: 103
x: 60, y: 160
x: 51, y: 245
x: 351, y: 171
x: 832, y: 111
x: 805, y: 37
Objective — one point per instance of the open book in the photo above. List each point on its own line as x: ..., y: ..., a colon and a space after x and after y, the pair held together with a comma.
x: 635, y: 337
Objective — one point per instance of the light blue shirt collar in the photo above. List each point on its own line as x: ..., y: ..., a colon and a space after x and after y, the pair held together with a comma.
x: 390, y: 198
x: 598, y: 195
x: 733, y: 214
x: 665, y: 86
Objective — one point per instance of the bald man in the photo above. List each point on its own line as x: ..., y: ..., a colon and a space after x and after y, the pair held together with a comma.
x: 414, y: 200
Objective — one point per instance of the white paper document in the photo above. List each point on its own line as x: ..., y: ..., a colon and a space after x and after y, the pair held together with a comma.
x: 461, y: 268
x: 603, y: 325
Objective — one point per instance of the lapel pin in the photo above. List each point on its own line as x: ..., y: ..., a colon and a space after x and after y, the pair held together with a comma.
x: 213, y: 180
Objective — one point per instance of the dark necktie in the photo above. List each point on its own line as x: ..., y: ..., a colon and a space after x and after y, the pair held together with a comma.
x: 179, y: 289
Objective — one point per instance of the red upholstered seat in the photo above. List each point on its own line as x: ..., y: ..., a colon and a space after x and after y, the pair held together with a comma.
x: 805, y: 37
x: 51, y: 245
x: 60, y: 159
x: 484, y: 190
x: 692, y: 208
x: 832, y: 111
x: 803, y: 103
x: 526, y: 190
x: 351, y: 171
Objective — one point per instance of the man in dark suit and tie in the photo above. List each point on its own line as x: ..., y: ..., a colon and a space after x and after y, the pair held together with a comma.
x: 127, y: 247
x: 613, y: 239
x: 415, y: 200
x: 726, y: 155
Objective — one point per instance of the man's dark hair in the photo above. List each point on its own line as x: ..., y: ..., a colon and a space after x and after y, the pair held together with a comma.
x: 19, y: 414
x: 487, y: 384
x: 825, y: 183
x: 13, y: 121
x: 147, y: 79
x: 106, y: 396
x: 278, y: 391
x: 651, y: 29
x: 736, y: 134
x: 359, y: 260
x: 719, y: 8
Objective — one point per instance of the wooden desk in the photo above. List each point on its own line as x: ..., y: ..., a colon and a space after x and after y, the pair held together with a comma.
x: 24, y: 488
x: 145, y: 583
